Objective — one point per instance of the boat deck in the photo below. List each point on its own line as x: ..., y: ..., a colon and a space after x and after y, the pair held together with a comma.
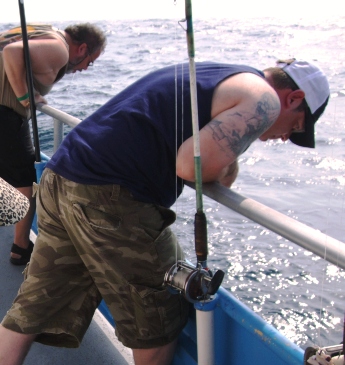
x: 100, y: 345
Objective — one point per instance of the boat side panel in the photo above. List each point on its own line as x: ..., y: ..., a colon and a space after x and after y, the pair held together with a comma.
x: 245, y: 338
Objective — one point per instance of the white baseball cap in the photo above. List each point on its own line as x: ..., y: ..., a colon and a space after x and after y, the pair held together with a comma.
x: 310, y: 79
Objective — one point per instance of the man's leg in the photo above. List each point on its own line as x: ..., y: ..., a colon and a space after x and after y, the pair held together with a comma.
x: 22, y: 228
x: 14, y: 346
x: 157, y: 356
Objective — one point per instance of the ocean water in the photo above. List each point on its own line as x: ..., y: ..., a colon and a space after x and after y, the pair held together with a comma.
x: 299, y: 293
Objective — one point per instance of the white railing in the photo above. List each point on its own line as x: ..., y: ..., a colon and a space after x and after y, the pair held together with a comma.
x: 309, y: 238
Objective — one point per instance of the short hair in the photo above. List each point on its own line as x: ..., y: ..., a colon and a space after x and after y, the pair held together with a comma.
x: 281, y: 80
x: 87, y: 33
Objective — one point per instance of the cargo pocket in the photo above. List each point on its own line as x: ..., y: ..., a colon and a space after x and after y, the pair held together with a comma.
x: 157, y: 312
x: 96, y: 218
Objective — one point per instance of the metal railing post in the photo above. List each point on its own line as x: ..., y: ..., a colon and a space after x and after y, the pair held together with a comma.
x: 58, y: 133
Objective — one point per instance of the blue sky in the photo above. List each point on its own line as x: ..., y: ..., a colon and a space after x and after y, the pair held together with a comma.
x: 47, y: 10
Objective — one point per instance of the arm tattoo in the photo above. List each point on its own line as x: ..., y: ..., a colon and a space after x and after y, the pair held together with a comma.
x: 243, y: 128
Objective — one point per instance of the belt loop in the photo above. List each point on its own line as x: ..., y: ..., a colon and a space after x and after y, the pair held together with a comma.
x: 115, y: 192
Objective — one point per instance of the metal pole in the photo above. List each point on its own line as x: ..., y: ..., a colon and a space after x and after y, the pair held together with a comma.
x: 205, y: 331
x: 29, y: 80
x: 58, y: 134
x: 324, y: 246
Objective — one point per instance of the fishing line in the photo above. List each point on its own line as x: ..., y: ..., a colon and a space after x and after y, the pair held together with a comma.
x: 324, y: 275
x: 337, y: 273
x: 176, y: 118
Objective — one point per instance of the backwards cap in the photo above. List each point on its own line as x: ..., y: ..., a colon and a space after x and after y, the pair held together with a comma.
x: 313, y: 82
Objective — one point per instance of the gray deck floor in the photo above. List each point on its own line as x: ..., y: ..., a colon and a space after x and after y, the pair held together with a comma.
x: 99, y: 346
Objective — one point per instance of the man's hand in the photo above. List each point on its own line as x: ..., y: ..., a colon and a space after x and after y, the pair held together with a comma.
x: 229, y: 174
x: 40, y: 99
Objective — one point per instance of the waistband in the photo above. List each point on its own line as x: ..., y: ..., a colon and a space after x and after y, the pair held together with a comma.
x: 5, y: 108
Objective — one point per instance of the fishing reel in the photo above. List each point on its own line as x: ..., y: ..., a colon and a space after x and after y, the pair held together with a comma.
x: 195, y: 283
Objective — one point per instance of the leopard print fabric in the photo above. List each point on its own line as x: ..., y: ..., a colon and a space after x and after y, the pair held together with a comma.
x: 13, y: 204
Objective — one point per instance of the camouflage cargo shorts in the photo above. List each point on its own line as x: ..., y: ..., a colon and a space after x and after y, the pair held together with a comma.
x: 98, y: 242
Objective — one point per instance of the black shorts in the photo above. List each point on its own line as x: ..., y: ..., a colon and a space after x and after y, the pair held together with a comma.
x: 17, y: 154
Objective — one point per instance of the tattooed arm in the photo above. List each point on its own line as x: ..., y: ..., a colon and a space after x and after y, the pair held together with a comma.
x: 241, y: 115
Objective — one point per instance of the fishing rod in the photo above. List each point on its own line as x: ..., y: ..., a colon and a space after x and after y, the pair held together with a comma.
x: 195, y: 283
x: 200, y: 223
x: 29, y: 79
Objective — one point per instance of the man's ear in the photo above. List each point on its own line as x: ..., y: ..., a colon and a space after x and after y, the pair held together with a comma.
x: 295, y: 98
x: 82, y: 49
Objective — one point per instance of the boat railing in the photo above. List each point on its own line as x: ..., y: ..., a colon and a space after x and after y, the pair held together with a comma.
x: 309, y: 238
